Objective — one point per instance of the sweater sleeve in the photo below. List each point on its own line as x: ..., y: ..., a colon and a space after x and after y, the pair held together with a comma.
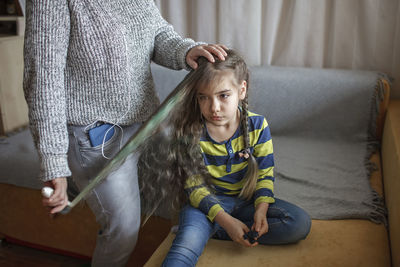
x: 170, y: 48
x: 45, y: 52
x: 200, y: 197
x: 263, y: 151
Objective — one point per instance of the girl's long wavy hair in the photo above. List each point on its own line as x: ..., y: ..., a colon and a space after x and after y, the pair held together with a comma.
x: 173, y: 153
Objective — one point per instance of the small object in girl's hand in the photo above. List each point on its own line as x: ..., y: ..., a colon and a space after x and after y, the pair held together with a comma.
x: 251, y: 235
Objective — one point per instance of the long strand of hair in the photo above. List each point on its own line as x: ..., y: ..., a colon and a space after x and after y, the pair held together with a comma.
x: 173, y: 153
x: 251, y: 175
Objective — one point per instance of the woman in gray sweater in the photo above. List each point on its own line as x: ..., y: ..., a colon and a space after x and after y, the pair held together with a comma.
x: 88, y: 85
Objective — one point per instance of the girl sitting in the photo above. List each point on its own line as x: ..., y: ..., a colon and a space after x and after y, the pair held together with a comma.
x: 218, y: 158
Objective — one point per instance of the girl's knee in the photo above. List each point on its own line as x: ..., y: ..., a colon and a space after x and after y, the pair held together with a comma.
x: 194, y: 237
x: 191, y: 238
x: 301, y: 226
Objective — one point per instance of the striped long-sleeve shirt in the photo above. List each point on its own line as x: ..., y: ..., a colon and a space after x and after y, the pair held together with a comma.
x: 228, y: 169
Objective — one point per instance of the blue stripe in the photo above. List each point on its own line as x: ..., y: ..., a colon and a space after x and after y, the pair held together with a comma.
x: 272, y: 178
x: 220, y: 189
x: 263, y: 192
x: 233, y: 178
x: 256, y: 122
x: 265, y: 136
x: 207, y: 202
x: 265, y: 162
x: 214, y: 160
x: 236, y: 134
x: 222, y: 160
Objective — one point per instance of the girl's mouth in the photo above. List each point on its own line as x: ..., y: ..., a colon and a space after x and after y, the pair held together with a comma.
x: 216, y: 118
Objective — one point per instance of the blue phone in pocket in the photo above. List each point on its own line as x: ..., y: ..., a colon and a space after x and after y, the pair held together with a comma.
x: 96, y: 134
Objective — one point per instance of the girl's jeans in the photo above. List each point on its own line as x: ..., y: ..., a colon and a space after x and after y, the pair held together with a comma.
x: 287, y: 224
x: 115, y: 201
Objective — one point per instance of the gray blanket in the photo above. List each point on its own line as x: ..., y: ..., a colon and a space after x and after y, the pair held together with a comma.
x: 323, y: 129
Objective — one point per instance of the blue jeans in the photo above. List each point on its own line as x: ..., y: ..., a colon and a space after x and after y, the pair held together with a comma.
x: 287, y: 224
x: 115, y: 201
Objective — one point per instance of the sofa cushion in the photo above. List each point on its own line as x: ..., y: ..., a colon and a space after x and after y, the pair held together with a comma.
x: 330, y: 243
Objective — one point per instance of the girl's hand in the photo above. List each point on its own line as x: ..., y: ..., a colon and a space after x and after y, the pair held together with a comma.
x: 234, y: 227
x: 260, y: 219
x: 59, y: 199
x: 206, y: 51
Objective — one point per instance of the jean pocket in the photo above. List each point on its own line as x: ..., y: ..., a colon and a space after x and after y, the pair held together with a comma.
x: 96, y: 157
x: 86, y: 145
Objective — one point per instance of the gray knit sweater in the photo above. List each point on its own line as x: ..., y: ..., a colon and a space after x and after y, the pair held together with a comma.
x: 89, y: 60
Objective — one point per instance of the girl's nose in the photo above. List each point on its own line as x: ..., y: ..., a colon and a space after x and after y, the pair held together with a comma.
x: 215, y: 106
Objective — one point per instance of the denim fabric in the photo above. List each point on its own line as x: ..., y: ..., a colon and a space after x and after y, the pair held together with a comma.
x: 287, y: 224
x: 115, y: 202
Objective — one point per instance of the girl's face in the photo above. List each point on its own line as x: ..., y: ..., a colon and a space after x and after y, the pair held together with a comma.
x: 219, y: 100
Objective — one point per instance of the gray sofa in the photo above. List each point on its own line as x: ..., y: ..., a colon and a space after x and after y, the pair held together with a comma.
x: 326, y: 126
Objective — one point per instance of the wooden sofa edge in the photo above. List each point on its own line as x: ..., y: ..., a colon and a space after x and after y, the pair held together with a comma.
x: 391, y: 175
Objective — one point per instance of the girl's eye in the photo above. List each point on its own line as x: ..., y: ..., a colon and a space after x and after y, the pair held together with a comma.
x: 202, y: 97
x: 224, y: 96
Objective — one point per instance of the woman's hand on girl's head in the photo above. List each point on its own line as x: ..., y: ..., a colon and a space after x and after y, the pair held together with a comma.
x: 260, y: 219
x: 208, y: 51
x: 234, y: 227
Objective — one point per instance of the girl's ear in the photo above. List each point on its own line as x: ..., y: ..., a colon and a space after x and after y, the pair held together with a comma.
x: 243, y: 90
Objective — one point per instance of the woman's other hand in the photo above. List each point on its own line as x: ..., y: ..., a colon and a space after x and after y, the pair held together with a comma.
x: 59, y: 199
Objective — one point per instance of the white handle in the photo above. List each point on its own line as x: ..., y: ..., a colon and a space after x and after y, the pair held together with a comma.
x: 47, y: 191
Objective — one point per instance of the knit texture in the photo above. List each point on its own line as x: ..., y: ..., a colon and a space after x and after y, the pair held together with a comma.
x: 90, y: 60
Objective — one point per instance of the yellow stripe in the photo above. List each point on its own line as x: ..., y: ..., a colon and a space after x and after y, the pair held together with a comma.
x: 264, y: 200
x: 220, y: 171
x: 266, y: 172
x: 265, y: 184
x: 213, y: 212
x: 237, y: 144
x: 265, y: 123
x: 197, y: 195
x: 264, y: 149
x: 213, y: 149
x: 193, y: 181
x: 252, y: 114
x: 238, y: 186
x: 254, y: 135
